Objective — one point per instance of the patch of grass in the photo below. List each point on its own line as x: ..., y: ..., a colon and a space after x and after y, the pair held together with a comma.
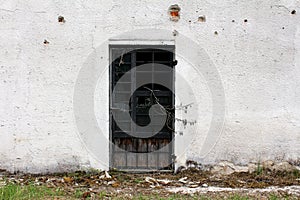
x: 238, y: 197
x: 276, y: 197
x: 273, y: 197
x: 138, y: 180
x: 102, y: 194
x: 122, y: 177
x: 296, y: 173
x: 14, y: 191
x: 78, y: 193
x: 259, y: 169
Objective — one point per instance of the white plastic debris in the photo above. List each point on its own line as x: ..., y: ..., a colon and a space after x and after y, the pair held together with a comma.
x: 151, y: 180
x: 164, y: 181
x: 105, y: 176
x: 204, y: 185
x: 183, y: 180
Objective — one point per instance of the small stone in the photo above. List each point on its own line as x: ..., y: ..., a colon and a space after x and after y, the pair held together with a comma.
x: 252, y: 167
x: 268, y: 164
x: 240, y: 169
x: 283, y: 166
x: 224, y: 168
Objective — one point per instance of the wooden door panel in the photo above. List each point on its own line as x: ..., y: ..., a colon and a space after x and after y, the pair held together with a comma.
x: 127, y: 152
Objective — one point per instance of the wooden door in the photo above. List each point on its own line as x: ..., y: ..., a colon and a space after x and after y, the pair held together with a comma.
x: 137, y: 153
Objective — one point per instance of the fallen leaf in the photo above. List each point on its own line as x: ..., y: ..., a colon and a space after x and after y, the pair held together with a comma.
x: 116, y: 184
x: 67, y: 179
x: 86, y: 195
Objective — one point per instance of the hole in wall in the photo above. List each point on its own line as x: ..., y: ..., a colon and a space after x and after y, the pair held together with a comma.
x: 46, y: 42
x: 293, y: 12
x: 61, y: 19
x: 174, y: 12
x: 175, y: 33
x: 202, y: 18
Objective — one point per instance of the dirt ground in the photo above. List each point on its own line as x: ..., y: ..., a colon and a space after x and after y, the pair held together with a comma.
x: 191, y: 183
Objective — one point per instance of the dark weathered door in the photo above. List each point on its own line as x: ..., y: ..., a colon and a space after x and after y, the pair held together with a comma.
x: 140, y: 153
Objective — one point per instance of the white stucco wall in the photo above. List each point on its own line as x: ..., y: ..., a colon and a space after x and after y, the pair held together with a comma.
x: 258, y: 63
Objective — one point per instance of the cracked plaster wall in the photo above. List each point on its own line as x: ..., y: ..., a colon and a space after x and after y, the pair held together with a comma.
x: 258, y: 61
